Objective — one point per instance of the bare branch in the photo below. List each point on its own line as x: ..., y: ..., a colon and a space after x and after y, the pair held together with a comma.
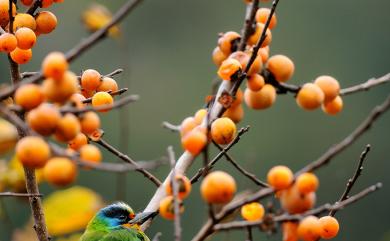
x: 175, y: 191
x: 366, y: 85
x: 248, y: 28
x: 112, y: 93
x: 15, y: 194
x: 37, y: 4
x: 171, y: 127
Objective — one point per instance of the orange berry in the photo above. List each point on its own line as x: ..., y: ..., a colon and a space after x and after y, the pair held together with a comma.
x: 329, y: 85
x: 26, y: 38
x: 167, y: 208
x: 67, y: 128
x: 264, y: 53
x: 200, y: 115
x: 281, y: 67
x: 21, y: 56
x: 44, y: 119
x: 8, y: 42
x: 307, y: 182
x: 32, y: 151
x: 329, y: 227
x: 184, y: 186
x: 262, y: 16
x: 235, y: 113
x: 60, y: 171
x: 4, y: 15
x: 187, y: 125
x: 255, y: 82
x: 228, y: 68
x: 262, y: 99
x: 29, y: 96
x: 223, y: 130
x: 27, y: 2
x: 218, y: 187
x: 228, y: 42
x: 293, y: 201
x: 309, y: 229
x: 60, y: 91
x: 280, y: 177
x: 46, y: 3
x: 255, y: 37
x: 54, y: 65
x: 87, y: 93
x: 218, y: 56
x: 194, y: 141
x: 90, y: 153
x: 77, y: 142
x: 102, y: 99
x: 252, y: 211
x: 24, y: 20
x: 334, y: 106
x: 46, y: 22
x: 243, y: 58
x: 77, y: 100
x: 90, y: 79
x: 90, y: 122
x: 290, y: 231
x: 310, y: 96
x: 108, y: 84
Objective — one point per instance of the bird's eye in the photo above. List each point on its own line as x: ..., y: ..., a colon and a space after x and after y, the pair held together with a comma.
x: 131, y: 215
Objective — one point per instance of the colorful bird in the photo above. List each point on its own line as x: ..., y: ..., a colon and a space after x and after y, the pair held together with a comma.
x: 116, y: 222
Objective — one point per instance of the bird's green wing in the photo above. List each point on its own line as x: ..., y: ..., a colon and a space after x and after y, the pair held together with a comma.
x: 125, y: 234
x: 93, y: 236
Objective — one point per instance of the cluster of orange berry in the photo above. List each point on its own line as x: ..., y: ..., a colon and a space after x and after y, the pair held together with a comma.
x: 167, y: 208
x: 43, y: 103
x: 298, y: 197
x: 19, y: 40
x: 266, y: 73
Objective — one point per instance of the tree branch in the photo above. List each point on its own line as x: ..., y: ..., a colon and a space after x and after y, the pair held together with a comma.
x: 15, y: 194
x: 248, y: 28
x: 175, y: 192
x: 366, y: 85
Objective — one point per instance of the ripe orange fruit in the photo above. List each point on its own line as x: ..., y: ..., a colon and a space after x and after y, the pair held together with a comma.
x: 46, y: 22
x: 228, y: 41
x: 262, y: 16
x: 281, y: 67
x: 4, y: 15
x: 46, y: 3
x: 102, y: 99
x: 60, y: 171
x: 90, y: 79
x: 329, y: 85
x: 252, y: 211
x: 264, y: 53
x: 24, y: 20
x: 262, y: 99
x: 184, y: 185
x: 329, y: 227
x: 223, y: 130
x: 27, y: 2
x: 228, y: 68
x: 218, y: 56
x: 29, y: 96
x: 235, y: 113
x: 334, y: 106
x: 21, y: 56
x: 218, y: 188
x: 26, y: 38
x: 90, y: 153
x: 310, y: 97
x: 108, y: 84
x: 199, y: 116
x: 32, y: 151
x: 309, y: 229
x: 60, y: 91
x: 290, y: 231
x: 54, y: 65
x: 44, y: 119
x: 280, y: 177
x: 90, y: 122
x: 77, y: 142
x: 255, y: 37
x: 243, y: 58
x: 194, y: 141
x: 293, y: 201
x: 187, y: 125
x: 67, y: 128
x: 76, y: 100
x: 8, y: 42
x: 255, y: 82
x: 307, y: 182
x: 167, y: 208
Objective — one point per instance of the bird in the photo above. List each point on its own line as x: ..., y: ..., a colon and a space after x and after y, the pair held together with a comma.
x: 116, y: 222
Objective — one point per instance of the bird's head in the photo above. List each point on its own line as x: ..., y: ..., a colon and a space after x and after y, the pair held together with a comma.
x: 121, y: 214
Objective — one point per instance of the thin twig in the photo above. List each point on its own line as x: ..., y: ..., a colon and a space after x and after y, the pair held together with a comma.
x: 157, y: 236
x: 297, y: 217
x: 175, y: 192
x: 205, y: 169
x: 353, y: 179
x: 37, y: 4
x: 366, y: 85
x: 112, y: 93
x: 248, y: 28
x: 171, y: 127
x: 127, y: 159
x: 249, y: 234
x: 113, y: 73
x: 15, y: 194
x: 249, y: 175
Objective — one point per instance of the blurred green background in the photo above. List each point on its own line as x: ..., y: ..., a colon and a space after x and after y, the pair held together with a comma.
x: 165, y: 50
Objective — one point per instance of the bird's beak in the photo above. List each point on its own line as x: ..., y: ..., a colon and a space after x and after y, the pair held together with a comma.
x: 140, y: 218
